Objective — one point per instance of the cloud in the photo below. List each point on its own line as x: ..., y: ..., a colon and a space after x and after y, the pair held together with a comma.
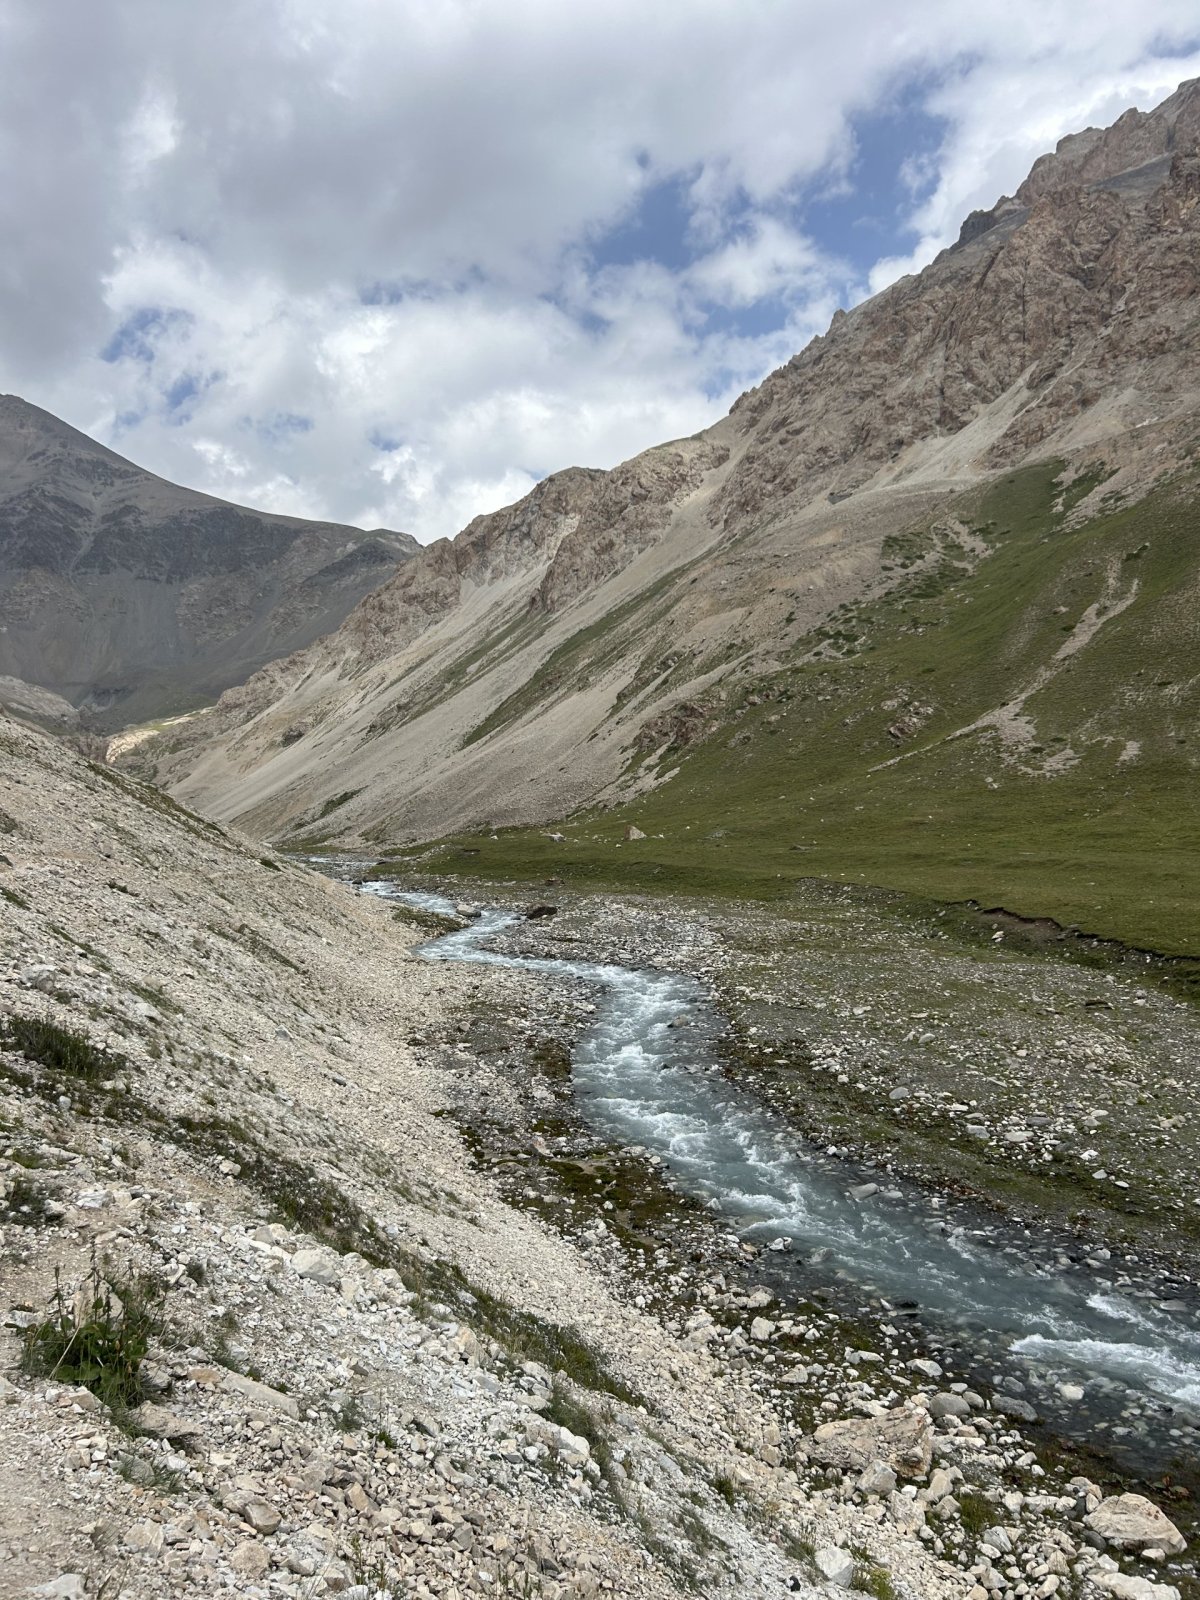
x: 358, y: 260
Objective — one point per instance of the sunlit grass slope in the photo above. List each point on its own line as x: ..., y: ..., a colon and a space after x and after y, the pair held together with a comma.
x: 849, y: 762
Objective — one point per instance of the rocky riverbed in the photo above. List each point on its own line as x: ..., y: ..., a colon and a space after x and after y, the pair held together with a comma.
x: 816, y: 1329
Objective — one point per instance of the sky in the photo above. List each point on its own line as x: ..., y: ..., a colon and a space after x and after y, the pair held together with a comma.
x: 391, y: 262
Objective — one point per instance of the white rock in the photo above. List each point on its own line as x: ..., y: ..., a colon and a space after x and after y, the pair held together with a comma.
x: 927, y: 1368
x: 259, y: 1394
x: 938, y: 1487
x: 1131, y: 1522
x: 877, y: 1478
x: 318, y: 1265
x: 572, y: 1448
x: 147, y: 1536
x: 262, y: 1516
x: 901, y: 1438
x: 1127, y: 1587
x: 835, y: 1566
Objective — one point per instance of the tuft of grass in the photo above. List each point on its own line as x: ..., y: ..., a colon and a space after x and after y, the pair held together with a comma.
x: 871, y: 1578
x: 976, y: 1512
x: 24, y: 1203
x: 66, y: 1050
x: 147, y: 1472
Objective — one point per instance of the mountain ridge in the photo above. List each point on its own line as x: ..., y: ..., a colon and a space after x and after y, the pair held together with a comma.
x: 172, y: 594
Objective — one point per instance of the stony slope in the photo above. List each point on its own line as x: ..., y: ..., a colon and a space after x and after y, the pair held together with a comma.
x: 133, y: 598
x: 567, y: 650
x: 344, y: 1304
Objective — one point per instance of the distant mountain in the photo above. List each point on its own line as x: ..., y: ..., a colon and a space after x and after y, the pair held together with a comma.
x: 132, y: 598
x: 923, y: 609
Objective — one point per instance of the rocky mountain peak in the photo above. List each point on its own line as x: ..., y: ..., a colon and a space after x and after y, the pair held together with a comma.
x: 1101, y: 155
x: 527, y: 667
x: 131, y: 597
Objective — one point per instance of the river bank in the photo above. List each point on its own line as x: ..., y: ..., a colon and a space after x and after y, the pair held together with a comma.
x: 1131, y: 1436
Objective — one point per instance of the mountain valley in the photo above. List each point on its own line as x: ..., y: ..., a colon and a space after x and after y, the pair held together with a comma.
x: 932, y: 631
x: 648, y: 1049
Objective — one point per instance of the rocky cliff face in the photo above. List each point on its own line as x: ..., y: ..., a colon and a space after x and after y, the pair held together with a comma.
x: 131, y: 597
x: 558, y: 634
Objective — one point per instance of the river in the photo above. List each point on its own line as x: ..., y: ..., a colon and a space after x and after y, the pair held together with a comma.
x: 642, y: 1082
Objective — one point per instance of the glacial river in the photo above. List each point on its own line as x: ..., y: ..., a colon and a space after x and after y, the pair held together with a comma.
x: 640, y: 1081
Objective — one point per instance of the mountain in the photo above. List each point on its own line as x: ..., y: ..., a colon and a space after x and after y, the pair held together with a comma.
x: 132, y: 598
x: 921, y: 610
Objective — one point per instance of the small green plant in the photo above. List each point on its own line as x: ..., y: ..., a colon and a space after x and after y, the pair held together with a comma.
x: 369, y: 1570
x: 975, y: 1511
x: 873, y: 1579
x: 350, y: 1414
x: 800, y: 1541
x: 729, y: 1491
x: 149, y: 1473
x: 99, y: 1338
x: 60, y: 1049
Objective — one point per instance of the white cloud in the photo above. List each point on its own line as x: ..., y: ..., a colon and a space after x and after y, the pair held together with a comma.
x: 359, y: 249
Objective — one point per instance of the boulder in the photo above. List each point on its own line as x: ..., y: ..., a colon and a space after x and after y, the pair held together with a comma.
x: 262, y: 1516
x: 938, y: 1487
x: 1131, y: 1522
x: 907, y: 1514
x: 67, y: 1586
x: 1011, y: 1405
x: 949, y: 1405
x: 159, y: 1423
x: 900, y: 1439
x: 1125, y: 1586
x: 835, y: 1565
x: 250, y: 1560
x: 144, y: 1536
x: 318, y: 1265
x: 260, y: 1394
x: 877, y: 1478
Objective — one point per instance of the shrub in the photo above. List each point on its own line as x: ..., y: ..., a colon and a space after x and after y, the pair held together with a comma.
x: 24, y: 1203
x: 99, y: 1339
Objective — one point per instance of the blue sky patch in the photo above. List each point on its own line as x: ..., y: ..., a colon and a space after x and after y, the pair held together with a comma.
x: 892, y: 169
x: 279, y: 426
x: 384, y: 442
x: 137, y: 336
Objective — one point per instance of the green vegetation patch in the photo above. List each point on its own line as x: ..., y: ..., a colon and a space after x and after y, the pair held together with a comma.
x: 1080, y: 803
x: 59, y: 1049
x: 98, y: 1338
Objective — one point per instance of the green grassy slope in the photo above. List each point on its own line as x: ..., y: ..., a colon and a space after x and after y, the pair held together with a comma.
x: 800, y: 781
